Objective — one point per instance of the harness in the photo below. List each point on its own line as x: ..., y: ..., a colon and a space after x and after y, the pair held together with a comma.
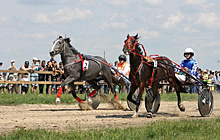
x: 151, y: 60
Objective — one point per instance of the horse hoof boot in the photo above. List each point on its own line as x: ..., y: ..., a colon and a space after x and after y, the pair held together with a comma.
x: 58, y: 101
x: 149, y: 115
x: 135, y: 115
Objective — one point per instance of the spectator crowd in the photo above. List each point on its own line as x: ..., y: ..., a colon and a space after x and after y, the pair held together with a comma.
x: 36, y: 65
x: 207, y: 77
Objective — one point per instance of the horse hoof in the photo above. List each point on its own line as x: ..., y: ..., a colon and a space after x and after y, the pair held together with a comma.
x: 149, y: 115
x: 135, y: 115
x: 89, y: 101
x: 85, y: 106
x: 182, y: 107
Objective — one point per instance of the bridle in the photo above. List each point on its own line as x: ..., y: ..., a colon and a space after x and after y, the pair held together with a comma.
x: 155, y: 57
x: 133, y: 48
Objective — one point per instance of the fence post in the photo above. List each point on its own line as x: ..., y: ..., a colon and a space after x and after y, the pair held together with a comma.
x: 49, y: 92
x: 19, y: 85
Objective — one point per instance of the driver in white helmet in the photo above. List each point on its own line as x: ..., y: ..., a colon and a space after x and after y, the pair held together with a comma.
x: 189, y: 64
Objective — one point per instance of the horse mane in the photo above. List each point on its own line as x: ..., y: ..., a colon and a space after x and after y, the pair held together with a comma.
x: 139, y: 50
x: 73, y: 49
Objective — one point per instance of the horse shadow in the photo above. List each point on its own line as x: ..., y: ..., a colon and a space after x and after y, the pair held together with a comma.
x: 114, y: 116
x: 160, y: 114
x: 53, y: 110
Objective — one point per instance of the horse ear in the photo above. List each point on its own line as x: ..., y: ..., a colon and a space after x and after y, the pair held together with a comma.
x: 128, y: 36
x: 67, y: 40
x: 136, y: 36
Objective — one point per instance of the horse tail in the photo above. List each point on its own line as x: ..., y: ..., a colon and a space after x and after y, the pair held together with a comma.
x: 179, y: 84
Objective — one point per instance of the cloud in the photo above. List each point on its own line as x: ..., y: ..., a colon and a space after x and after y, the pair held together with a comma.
x: 195, y: 2
x: 145, y: 34
x: 4, y: 20
x: 173, y: 20
x: 34, y: 36
x: 154, y: 2
x: 208, y: 19
x: 41, y: 2
x: 118, y: 2
x: 198, y: 5
x: 188, y: 29
x: 113, y: 25
x: 62, y: 15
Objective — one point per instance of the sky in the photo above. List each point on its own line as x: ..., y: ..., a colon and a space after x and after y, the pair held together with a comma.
x: 166, y: 27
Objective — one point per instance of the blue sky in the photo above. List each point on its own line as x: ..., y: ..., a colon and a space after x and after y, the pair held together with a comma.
x: 166, y: 27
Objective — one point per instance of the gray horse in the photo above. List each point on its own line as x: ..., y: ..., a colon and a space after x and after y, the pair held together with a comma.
x: 73, y: 67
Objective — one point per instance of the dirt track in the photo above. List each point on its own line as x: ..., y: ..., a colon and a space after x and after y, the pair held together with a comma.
x: 64, y: 117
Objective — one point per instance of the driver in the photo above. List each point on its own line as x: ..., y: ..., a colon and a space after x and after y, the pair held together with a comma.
x: 124, y: 68
x: 189, y: 64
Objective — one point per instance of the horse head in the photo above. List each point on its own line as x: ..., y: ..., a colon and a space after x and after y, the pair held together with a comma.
x: 58, y: 47
x: 130, y: 44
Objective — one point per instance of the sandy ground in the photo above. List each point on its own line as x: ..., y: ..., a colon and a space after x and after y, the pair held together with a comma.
x: 64, y: 117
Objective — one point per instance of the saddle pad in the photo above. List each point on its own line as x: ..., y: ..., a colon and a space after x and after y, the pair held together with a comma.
x: 149, y: 59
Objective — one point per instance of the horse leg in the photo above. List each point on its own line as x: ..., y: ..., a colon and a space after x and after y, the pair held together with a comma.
x: 155, y: 94
x: 94, y: 84
x: 138, y: 101
x: 174, y: 84
x: 131, y: 92
x: 73, y: 91
x: 62, y: 85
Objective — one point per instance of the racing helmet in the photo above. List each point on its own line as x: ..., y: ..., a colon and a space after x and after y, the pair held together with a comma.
x: 122, y: 56
x: 190, y: 51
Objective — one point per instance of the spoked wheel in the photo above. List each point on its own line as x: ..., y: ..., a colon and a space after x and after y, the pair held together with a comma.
x: 131, y: 105
x: 205, y: 102
x: 149, y: 101
x: 93, y: 100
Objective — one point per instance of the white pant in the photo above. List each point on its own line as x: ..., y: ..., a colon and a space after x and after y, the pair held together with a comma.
x: 181, y: 78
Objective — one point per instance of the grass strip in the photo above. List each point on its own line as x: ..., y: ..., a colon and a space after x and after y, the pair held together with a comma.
x: 166, y: 129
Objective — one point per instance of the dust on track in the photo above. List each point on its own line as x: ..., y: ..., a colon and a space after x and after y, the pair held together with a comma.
x: 65, y: 117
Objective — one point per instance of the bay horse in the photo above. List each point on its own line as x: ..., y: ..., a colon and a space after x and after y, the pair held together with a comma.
x: 73, y: 67
x: 143, y: 73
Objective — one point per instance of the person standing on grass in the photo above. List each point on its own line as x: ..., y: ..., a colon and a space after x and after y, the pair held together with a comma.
x: 54, y: 77
x: 49, y: 67
x: 25, y: 77
x: 34, y: 76
x: 3, y: 86
x: 13, y: 68
x: 42, y: 77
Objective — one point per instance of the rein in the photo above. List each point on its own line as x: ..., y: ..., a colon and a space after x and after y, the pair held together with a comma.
x: 132, y: 50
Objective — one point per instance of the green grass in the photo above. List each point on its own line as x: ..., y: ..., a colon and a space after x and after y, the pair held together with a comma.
x: 16, y: 99
x: 184, y: 97
x: 168, y: 130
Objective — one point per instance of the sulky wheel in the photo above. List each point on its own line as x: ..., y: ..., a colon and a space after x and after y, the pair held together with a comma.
x: 93, y: 100
x: 131, y: 105
x: 205, y: 102
x: 149, y: 101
